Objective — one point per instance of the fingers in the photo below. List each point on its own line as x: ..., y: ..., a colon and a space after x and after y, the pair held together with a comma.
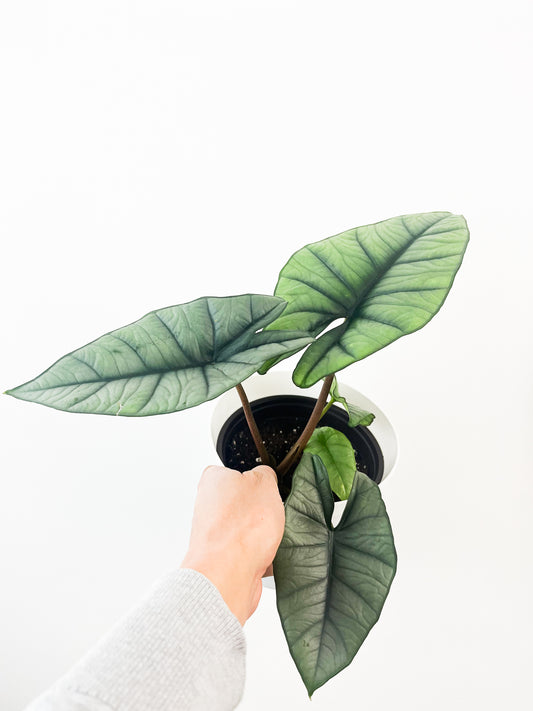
x: 219, y: 469
x: 264, y: 471
x: 217, y: 473
x: 211, y: 466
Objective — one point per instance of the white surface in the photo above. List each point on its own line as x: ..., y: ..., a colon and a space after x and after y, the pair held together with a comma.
x: 153, y: 152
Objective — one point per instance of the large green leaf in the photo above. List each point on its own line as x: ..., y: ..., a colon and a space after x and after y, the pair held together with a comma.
x: 385, y: 280
x: 331, y: 583
x: 170, y: 359
x: 336, y: 452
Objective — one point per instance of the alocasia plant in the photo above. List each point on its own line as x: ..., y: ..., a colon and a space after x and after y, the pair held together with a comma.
x: 384, y: 280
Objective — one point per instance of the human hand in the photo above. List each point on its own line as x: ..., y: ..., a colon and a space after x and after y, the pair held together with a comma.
x: 237, y: 527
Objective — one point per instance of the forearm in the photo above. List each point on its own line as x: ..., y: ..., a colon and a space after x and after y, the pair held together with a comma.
x: 180, y: 649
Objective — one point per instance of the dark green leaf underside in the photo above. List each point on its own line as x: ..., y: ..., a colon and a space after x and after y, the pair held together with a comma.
x: 169, y: 360
x: 331, y: 584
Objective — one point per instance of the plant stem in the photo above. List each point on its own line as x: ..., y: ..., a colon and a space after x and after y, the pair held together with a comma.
x: 330, y: 403
x: 295, y: 452
x: 261, y: 449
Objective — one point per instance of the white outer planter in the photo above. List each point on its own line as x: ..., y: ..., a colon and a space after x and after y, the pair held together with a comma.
x: 280, y: 383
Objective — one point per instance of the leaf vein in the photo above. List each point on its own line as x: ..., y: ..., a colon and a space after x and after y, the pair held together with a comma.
x: 122, y: 340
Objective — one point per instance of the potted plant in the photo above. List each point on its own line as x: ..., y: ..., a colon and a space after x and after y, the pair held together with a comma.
x: 382, y: 281
x: 281, y: 412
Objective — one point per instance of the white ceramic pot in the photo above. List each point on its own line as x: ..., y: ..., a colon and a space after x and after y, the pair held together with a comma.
x: 280, y: 383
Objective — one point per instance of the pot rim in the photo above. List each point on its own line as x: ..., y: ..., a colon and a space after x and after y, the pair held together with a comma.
x: 280, y: 383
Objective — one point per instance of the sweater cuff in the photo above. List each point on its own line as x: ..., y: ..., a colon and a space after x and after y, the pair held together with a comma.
x: 181, y: 647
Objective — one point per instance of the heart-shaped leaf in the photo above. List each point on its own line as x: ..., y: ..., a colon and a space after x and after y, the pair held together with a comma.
x: 356, y: 415
x: 170, y: 359
x: 385, y: 280
x: 336, y: 452
x: 331, y: 583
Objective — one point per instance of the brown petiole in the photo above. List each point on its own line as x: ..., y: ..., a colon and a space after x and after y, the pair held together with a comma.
x: 252, y: 425
x: 295, y: 452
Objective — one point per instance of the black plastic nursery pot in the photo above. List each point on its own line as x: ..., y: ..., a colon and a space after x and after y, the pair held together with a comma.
x: 281, y: 419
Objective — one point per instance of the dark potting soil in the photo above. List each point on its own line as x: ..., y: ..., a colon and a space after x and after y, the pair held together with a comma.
x: 278, y: 435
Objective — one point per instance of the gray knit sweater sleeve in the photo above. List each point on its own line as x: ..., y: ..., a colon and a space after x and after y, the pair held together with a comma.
x: 180, y: 648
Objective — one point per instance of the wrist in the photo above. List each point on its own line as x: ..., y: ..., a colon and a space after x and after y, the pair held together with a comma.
x: 237, y: 586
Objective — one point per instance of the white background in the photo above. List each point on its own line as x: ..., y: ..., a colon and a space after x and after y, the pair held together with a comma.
x: 156, y: 151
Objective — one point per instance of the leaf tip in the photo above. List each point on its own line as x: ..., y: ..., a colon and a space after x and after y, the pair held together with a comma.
x: 298, y: 380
